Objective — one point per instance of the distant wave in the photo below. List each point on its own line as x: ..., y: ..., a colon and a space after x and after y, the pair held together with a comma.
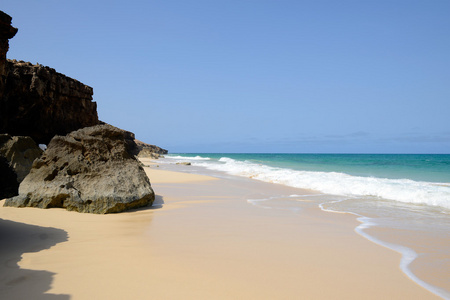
x: 188, y: 157
x: 403, y: 190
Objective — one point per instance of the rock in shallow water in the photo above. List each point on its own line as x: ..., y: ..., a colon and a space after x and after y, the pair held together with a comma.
x: 89, y: 170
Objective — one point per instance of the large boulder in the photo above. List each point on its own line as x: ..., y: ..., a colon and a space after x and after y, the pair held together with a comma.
x: 20, y: 151
x: 90, y: 170
x: 17, y: 154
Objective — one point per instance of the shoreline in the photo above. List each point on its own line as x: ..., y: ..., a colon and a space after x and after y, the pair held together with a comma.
x: 409, y: 256
x: 424, y: 249
x: 371, y: 230
x: 203, y: 240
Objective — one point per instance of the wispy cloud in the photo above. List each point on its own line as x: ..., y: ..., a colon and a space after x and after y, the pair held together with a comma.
x: 352, y: 135
x: 443, y: 137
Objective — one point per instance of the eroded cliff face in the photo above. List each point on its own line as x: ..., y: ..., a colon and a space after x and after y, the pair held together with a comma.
x: 41, y: 103
x: 37, y: 101
x: 87, y: 167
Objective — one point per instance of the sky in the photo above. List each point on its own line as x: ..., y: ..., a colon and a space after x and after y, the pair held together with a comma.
x: 254, y: 76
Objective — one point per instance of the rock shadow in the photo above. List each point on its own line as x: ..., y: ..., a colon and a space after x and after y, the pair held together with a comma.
x: 16, y: 239
x: 158, y: 203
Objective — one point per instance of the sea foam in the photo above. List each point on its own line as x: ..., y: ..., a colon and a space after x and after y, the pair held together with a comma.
x: 177, y: 157
x: 335, y: 183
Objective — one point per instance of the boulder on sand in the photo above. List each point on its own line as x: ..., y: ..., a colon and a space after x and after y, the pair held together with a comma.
x: 89, y: 170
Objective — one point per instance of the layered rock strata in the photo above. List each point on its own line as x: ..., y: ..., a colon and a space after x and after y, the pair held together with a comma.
x: 89, y: 170
x: 37, y: 101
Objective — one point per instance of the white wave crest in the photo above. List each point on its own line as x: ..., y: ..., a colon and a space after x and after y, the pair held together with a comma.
x: 188, y: 157
x: 403, y: 190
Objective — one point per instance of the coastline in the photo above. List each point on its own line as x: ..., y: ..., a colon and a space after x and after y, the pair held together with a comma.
x: 203, y: 240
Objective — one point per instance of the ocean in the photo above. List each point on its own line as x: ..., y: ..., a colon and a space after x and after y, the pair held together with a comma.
x: 401, y: 200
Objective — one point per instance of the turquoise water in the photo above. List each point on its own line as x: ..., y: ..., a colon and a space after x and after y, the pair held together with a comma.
x: 416, y: 179
x: 421, y: 167
x: 408, y: 194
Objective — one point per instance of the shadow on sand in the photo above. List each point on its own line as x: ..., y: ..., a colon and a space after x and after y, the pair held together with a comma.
x: 158, y: 203
x: 16, y: 239
x: 19, y: 238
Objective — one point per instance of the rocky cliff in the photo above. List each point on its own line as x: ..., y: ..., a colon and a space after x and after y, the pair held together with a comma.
x: 37, y: 101
x: 88, y: 166
x: 41, y: 103
x: 6, y: 32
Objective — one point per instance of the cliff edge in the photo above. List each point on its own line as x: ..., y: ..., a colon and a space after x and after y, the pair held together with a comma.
x: 88, y: 166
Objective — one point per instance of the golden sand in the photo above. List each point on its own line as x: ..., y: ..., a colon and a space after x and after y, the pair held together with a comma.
x: 202, y: 240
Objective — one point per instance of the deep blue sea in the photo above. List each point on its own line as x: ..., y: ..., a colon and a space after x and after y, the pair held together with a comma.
x: 407, y: 194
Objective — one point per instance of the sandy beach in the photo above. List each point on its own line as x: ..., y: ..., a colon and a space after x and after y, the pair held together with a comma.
x: 202, y: 239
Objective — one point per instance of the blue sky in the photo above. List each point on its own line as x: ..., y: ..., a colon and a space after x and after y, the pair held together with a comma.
x: 254, y: 76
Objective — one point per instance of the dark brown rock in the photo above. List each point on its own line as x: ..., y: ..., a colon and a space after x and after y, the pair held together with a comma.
x: 6, y: 32
x: 89, y: 170
x: 37, y: 101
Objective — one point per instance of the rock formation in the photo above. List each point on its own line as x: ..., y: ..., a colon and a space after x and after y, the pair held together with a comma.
x: 18, y: 154
x: 6, y: 32
x: 8, y: 179
x: 89, y: 170
x: 37, y: 101
x: 20, y: 151
x: 87, y: 167
x: 147, y: 150
x: 41, y: 103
